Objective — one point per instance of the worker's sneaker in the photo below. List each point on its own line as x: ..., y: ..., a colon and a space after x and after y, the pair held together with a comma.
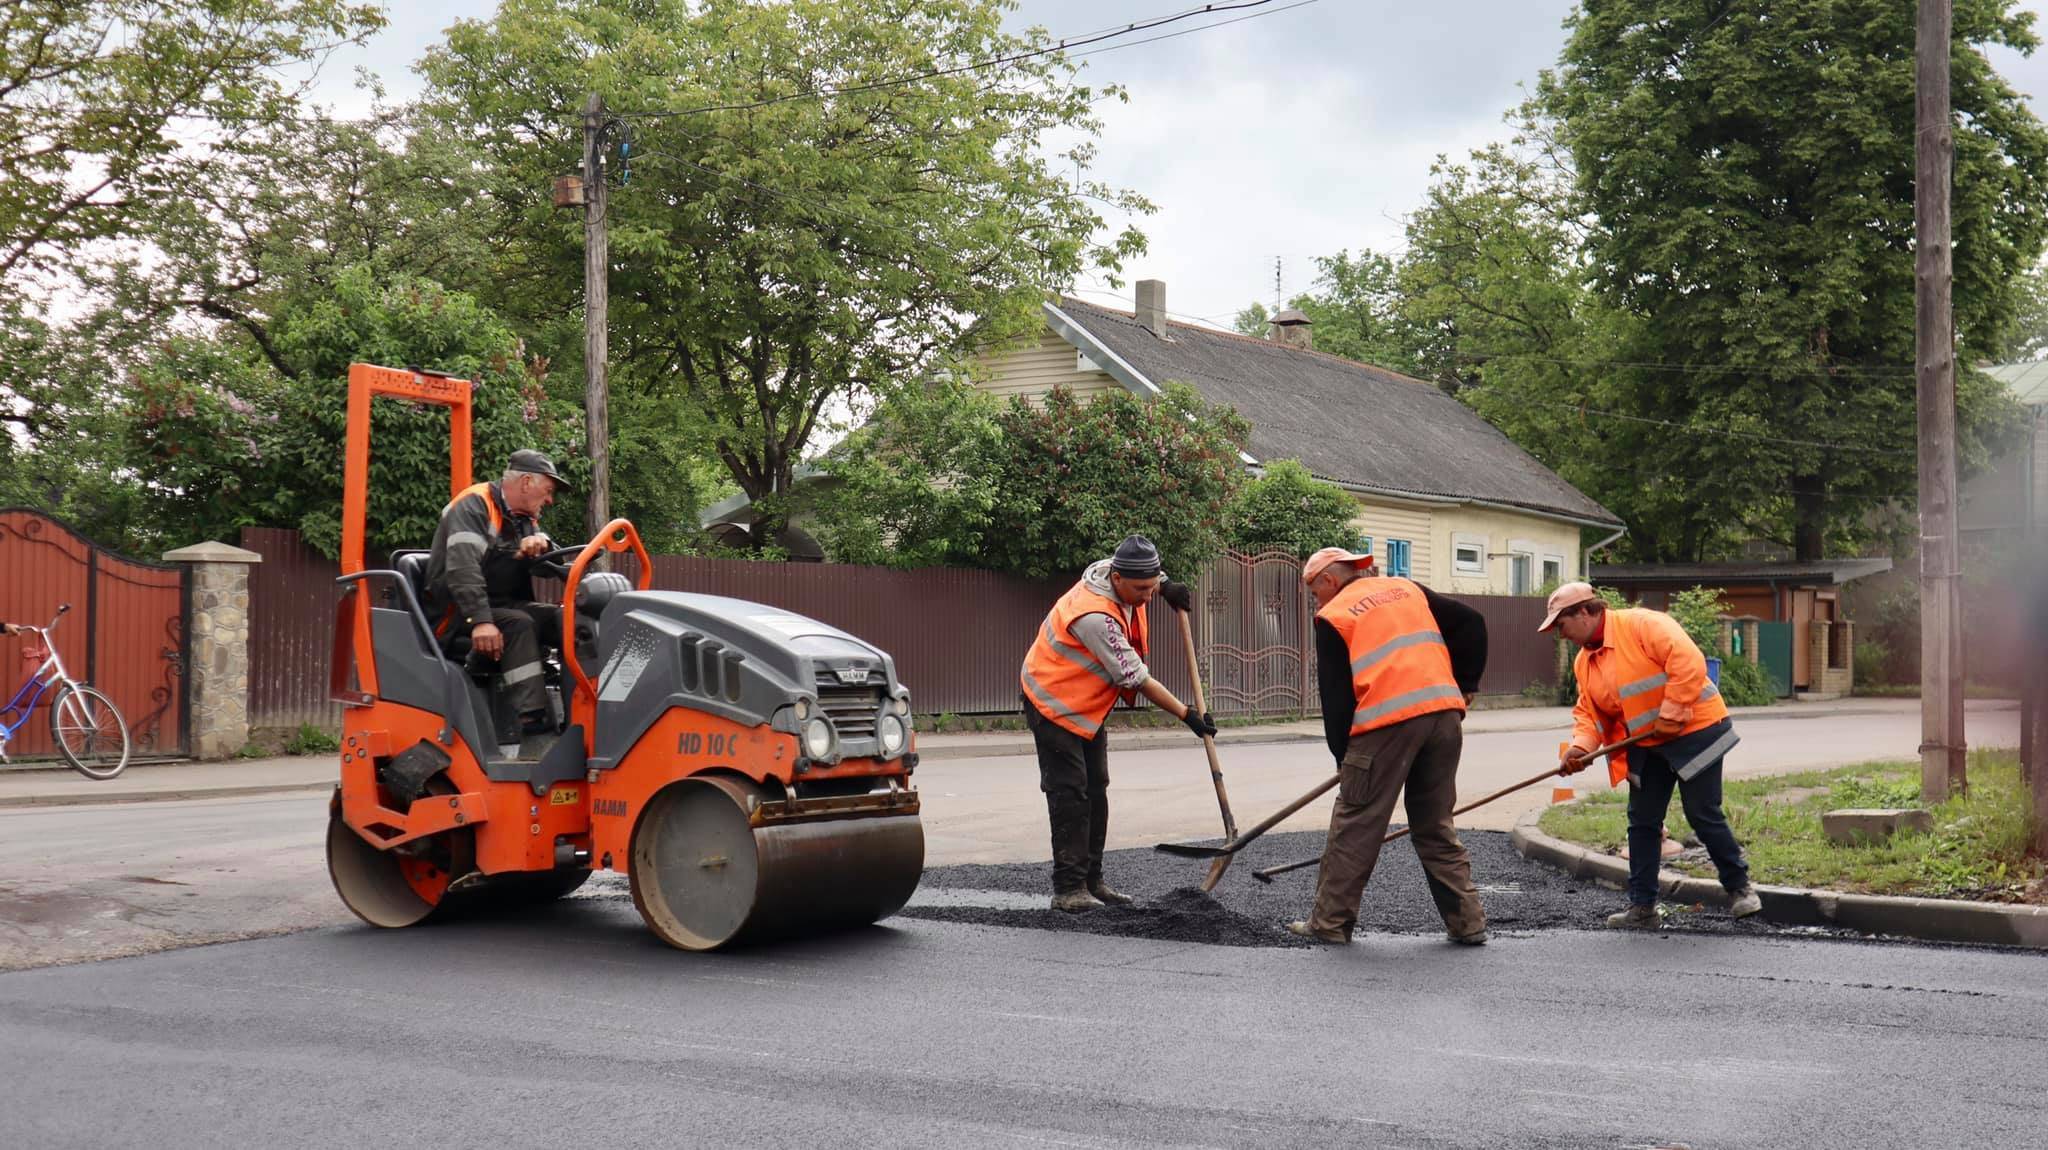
x: 1340, y: 937
x: 1744, y: 902
x: 1107, y: 894
x: 1075, y: 901
x: 1636, y: 918
x: 1476, y: 938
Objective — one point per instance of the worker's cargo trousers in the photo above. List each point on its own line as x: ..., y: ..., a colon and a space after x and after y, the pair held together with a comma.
x: 528, y: 628
x: 1074, y: 774
x: 1652, y: 776
x: 1420, y: 754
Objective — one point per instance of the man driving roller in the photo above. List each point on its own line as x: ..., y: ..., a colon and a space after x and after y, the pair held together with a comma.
x: 482, y: 566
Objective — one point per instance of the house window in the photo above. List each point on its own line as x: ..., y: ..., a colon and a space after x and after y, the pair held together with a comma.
x: 1521, y: 574
x: 1397, y: 557
x: 1468, y: 555
x: 1553, y: 570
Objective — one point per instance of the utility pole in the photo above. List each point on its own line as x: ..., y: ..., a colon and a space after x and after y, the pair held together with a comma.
x: 596, y: 301
x: 1941, y: 638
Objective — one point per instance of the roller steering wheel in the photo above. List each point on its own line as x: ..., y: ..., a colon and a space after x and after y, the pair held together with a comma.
x: 555, y: 563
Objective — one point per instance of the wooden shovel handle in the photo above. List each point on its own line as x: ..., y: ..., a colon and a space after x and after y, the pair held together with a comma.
x: 1187, y: 634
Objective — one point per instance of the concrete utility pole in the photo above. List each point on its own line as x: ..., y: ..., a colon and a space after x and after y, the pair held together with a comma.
x: 596, y: 302
x: 1941, y: 637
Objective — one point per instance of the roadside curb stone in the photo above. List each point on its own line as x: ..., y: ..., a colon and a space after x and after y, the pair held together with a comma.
x: 1931, y: 919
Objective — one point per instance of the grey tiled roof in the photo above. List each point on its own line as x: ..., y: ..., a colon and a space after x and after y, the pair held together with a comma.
x: 1826, y: 571
x: 1344, y: 421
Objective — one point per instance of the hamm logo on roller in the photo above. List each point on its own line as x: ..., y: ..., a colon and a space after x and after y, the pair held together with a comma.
x: 613, y: 807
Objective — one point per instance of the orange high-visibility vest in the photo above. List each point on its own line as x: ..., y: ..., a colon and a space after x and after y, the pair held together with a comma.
x: 483, y: 492
x: 1061, y: 678
x: 1645, y: 666
x: 1400, y: 667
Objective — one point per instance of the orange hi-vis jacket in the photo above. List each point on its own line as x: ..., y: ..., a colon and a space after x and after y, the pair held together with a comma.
x: 481, y: 491
x: 1645, y: 668
x: 1061, y: 678
x: 1400, y: 667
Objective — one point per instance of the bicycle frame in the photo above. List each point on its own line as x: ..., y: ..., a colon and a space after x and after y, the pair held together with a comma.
x: 50, y: 673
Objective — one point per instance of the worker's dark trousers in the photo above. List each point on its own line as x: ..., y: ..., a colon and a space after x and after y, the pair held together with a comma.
x: 527, y: 627
x: 1651, y: 779
x: 1074, y: 774
x: 1420, y: 754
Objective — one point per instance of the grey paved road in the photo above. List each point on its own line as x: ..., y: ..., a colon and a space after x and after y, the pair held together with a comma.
x: 93, y: 882
x: 578, y: 1029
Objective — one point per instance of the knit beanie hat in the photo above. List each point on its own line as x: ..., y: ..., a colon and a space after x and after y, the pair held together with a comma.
x: 1135, y: 558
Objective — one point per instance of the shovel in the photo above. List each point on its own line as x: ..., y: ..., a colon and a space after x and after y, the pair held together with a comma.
x: 1266, y: 875
x: 1187, y: 635
x: 1223, y: 854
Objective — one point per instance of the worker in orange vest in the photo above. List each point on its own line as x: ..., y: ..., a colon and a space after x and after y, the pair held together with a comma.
x: 482, y: 568
x: 1396, y: 664
x: 1089, y: 653
x: 1638, y: 669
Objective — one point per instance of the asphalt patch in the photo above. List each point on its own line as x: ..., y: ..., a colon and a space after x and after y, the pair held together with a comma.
x: 1520, y: 896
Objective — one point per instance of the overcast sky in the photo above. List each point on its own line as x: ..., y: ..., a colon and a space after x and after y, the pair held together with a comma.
x: 1288, y: 136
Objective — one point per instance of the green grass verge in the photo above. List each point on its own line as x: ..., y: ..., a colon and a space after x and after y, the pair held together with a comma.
x: 1977, y: 850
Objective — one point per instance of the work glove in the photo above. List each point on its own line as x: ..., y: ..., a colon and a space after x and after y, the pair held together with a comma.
x: 1575, y: 760
x: 1179, y: 596
x: 1202, y: 725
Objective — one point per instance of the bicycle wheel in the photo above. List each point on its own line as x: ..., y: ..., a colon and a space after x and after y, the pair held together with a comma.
x: 89, y: 732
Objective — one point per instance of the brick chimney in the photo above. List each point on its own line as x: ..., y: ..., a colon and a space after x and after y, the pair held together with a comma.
x: 1293, y: 329
x: 1152, y: 306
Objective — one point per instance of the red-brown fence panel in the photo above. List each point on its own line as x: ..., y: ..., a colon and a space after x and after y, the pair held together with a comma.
x: 125, y: 633
x: 291, y: 628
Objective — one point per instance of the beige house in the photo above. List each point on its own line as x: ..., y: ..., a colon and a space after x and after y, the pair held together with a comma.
x: 1443, y: 496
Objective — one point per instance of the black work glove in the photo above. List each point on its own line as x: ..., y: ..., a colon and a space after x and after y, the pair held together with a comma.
x: 1203, y: 726
x: 1179, y: 596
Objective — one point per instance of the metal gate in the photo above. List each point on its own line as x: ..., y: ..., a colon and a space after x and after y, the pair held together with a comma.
x: 1257, y: 653
x: 125, y: 633
x: 1774, y: 651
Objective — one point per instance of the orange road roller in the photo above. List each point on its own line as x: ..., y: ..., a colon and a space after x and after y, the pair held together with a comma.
x: 748, y: 769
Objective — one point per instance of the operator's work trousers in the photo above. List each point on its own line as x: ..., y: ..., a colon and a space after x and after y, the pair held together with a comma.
x: 528, y: 628
x: 1651, y: 777
x: 1074, y: 774
x: 1422, y: 755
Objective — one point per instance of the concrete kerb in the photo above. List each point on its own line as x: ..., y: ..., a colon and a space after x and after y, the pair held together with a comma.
x: 104, y: 798
x: 1931, y: 919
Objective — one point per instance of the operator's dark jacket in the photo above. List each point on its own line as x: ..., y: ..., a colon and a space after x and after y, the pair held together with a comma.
x: 1464, y: 632
x: 476, y: 568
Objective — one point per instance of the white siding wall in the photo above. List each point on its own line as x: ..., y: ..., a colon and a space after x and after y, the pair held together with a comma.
x: 1036, y: 369
x: 1384, y: 520
x: 1497, y: 532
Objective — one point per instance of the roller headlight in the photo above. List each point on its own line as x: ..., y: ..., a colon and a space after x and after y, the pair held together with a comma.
x: 818, y: 738
x: 890, y: 733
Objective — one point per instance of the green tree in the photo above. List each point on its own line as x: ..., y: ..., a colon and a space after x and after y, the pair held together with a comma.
x: 916, y: 486
x: 1075, y: 479
x: 1748, y: 174
x: 825, y: 198
x: 97, y: 101
x: 1289, y: 509
x: 1354, y: 309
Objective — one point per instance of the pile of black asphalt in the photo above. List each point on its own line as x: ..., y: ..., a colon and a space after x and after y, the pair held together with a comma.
x: 1520, y: 897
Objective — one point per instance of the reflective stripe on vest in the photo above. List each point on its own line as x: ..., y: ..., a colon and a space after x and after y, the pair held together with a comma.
x: 1400, y: 667
x: 1061, y: 677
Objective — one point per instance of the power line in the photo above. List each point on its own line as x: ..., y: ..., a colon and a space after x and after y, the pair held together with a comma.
x: 1688, y: 428
x: 1063, y: 45
x: 1480, y: 358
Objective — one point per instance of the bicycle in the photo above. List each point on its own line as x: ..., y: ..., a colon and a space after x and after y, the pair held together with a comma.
x: 86, y: 726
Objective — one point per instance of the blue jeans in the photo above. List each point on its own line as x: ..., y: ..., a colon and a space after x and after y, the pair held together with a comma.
x: 1649, y: 796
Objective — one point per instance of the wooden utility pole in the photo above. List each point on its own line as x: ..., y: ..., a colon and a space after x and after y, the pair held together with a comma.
x: 596, y: 299
x: 1941, y: 638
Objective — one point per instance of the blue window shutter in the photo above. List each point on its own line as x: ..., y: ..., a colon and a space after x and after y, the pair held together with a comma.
x: 1397, y: 557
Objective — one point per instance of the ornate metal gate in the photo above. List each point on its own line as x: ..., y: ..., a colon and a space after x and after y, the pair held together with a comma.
x: 1257, y: 653
x: 125, y: 633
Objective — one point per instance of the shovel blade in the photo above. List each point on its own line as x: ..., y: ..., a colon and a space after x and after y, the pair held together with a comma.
x: 1195, y: 851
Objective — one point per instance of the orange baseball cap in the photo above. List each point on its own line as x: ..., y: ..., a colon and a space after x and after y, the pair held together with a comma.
x: 1564, y: 599
x: 1328, y: 555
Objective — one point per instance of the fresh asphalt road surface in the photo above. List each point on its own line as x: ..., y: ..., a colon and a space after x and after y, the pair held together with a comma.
x: 577, y: 1028
x: 94, y: 882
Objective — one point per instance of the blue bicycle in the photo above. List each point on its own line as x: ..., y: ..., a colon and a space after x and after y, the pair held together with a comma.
x: 86, y: 726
